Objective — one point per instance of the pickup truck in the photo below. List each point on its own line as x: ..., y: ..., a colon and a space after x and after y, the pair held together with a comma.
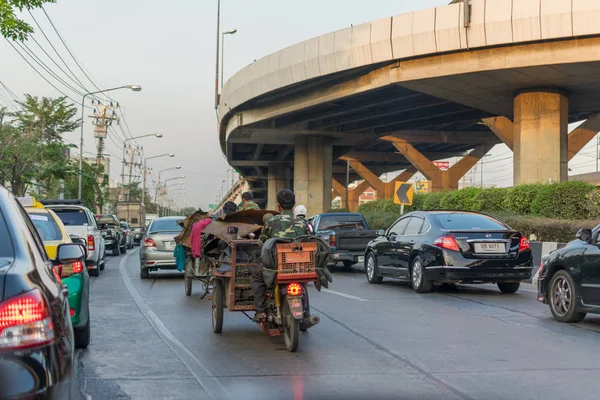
x: 80, y: 222
x: 347, y: 233
x: 113, y: 233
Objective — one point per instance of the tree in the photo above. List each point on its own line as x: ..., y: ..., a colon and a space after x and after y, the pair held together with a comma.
x: 32, y: 150
x: 12, y: 27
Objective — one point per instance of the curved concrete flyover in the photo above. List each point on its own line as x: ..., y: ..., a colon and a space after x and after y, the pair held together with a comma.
x: 424, y: 82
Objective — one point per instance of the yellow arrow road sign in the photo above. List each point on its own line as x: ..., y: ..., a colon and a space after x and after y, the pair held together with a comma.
x: 404, y: 193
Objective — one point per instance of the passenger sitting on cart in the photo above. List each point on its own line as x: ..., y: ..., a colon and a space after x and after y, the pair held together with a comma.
x: 284, y: 225
x: 229, y: 208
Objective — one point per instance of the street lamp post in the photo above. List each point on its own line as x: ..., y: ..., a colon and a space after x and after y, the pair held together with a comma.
x: 156, y: 200
x: 166, y: 192
x: 217, y: 59
x: 157, y: 135
x: 145, y: 171
x: 135, y: 88
x: 229, y: 32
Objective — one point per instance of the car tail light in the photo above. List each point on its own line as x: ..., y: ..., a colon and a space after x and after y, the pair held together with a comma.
x: 25, y: 321
x: 149, y: 243
x: 524, y: 244
x: 294, y: 289
x: 446, y: 242
x: 72, y: 312
x: 71, y: 269
x: 333, y: 240
x: 91, y: 243
x: 542, y: 265
x: 57, y: 271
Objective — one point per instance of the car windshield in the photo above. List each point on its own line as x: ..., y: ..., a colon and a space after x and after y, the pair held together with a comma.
x: 107, y: 220
x: 467, y: 221
x: 165, y: 225
x: 349, y: 221
x: 72, y: 216
x: 46, y: 226
x: 124, y: 225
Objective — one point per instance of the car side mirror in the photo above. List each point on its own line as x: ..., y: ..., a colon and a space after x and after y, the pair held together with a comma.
x: 585, y: 235
x: 380, y: 232
x: 68, y: 253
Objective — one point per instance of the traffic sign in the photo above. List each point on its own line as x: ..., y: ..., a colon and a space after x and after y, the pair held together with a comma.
x: 212, y: 206
x: 422, y: 187
x: 404, y: 193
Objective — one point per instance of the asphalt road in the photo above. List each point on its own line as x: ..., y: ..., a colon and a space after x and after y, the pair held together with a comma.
x: 150, y: 341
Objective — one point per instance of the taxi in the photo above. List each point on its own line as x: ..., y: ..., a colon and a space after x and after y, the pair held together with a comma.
x: 75, y: 276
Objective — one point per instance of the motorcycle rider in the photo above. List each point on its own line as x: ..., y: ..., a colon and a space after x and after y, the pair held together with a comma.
x: 247, y: 202
x: 284, y: 225
x: 300, y: 212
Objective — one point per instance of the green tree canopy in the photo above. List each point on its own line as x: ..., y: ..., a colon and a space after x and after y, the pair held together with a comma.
x: 11, y: 26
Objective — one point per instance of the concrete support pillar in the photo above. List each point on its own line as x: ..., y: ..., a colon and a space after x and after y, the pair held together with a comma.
x: 440, y: 180
x: 540, y: 137
x: 276, y: 183
x: 313, y: 162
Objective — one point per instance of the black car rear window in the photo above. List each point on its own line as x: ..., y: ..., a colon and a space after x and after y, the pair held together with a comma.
x: 165, y: 225
x: 6, y: 245
x: 72, y: 216
x: 465, y: 221
x: 350, y: 221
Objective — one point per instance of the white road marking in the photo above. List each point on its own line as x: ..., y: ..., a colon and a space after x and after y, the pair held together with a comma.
x: 205, y: 378
x: 348, y: 296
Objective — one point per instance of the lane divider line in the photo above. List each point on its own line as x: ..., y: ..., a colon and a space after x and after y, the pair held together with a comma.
x: 203, y: 376
x: 348, y: 296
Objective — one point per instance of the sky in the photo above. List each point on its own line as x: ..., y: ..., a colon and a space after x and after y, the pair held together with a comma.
x: 169, y: 49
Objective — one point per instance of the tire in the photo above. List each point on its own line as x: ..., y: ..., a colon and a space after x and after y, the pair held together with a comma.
x: 417, y: 277
x: 144, y: 273
x: 188, y: 285
x: 291, y: 331
x: 94, y: 272
x: 83, y: 335
x: 102, y: 264
x: 218, y: 306
x: 372, y: 270
x: 509, y: 287
x: 348, y: 264
x: 562, y: 294
x: 116, y: 250
x: 123, y: 249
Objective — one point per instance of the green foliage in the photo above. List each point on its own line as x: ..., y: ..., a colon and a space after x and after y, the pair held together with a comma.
x: 519, y: 199
x: 11, y: 27
x: 433, y: 201
x: 490, y: 200
x: 337, y: 210
x: 380, y: 220
x: 460, y: 199
x: 547, y: 229
x: 569, y: 200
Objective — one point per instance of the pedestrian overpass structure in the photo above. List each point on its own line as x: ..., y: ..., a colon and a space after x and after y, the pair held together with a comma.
x: 398, y: 93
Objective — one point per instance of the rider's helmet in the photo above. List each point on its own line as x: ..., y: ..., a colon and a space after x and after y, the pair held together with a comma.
x: 300, y: 211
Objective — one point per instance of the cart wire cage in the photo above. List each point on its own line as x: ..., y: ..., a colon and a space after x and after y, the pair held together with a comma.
x: 246, y: 257
x: 296, y: 261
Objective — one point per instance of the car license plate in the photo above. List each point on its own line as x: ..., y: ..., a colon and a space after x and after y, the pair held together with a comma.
x: 361, y: 259
x: 490, y: 248
x: 170, y: 245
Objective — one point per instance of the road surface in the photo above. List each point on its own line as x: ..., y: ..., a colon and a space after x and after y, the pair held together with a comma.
x: 150, y: 341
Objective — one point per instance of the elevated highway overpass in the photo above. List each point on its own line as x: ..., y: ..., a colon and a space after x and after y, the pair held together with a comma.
x: 398, y: 93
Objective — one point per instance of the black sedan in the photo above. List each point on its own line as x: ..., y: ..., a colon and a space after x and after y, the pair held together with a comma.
x: 569, y: 278
x: 36, y: 335
x: 449, y: 247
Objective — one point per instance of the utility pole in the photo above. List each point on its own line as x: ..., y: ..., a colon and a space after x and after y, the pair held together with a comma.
x: 103, y: 117
x: 134, y: 151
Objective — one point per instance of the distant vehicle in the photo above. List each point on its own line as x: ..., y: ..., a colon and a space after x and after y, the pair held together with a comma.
x: 80, y: 221
x: 113, y: 233
x: 128, y: 234
x: 159, y: 243
x: 73, y: 275
x: 569, y: 278
x: 138, y: 235
x: 36, y: 333
x: 450, y: 246
x: 150, y: 218
x: 132, y: 212
x: 347, y: 233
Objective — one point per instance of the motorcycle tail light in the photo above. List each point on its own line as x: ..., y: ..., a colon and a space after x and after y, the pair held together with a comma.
x: 446, y: 242
x: 524, y: 244
x: 294, y: 289
x: 25, y: 321
x: 91, y: 243
x: 149, y: 243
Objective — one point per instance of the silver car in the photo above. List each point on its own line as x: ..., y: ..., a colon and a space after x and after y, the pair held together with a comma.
x: 158, y: 244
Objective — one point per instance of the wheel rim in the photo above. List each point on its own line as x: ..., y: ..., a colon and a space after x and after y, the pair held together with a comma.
x: 562, y: 296
x: 370, y: 267
x: 417, y: 273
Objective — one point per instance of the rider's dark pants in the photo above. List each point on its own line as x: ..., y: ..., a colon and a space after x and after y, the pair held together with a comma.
x: 259, y: 289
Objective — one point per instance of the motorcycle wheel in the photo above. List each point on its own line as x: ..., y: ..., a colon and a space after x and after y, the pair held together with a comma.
x: 291, y: 331
x: 217, y: 306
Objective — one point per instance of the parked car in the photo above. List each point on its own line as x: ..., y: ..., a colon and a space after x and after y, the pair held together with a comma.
x: 450, y: 246
x: 138, y: 235
x: 36, y: 334
x: 80, y: 221
x: 114, y: 236
x: 74, y: 275
x: 128, y: 234
x: 569, y: 278
x: 347, y: 233
x: 159, y: 243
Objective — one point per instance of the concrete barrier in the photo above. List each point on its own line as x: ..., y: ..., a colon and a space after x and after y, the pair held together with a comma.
x: 538, y: 249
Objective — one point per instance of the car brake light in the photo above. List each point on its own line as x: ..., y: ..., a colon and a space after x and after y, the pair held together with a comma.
x: 333, y: 240
x: 77, y: 267
x: 446, y: 242
x: 524, y: 244
x: 57, y: 271
x: 294, y: 289
x: 72, y: 312
x: 149, y: 243
x: 25, y: 321
x: 91, y: 243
